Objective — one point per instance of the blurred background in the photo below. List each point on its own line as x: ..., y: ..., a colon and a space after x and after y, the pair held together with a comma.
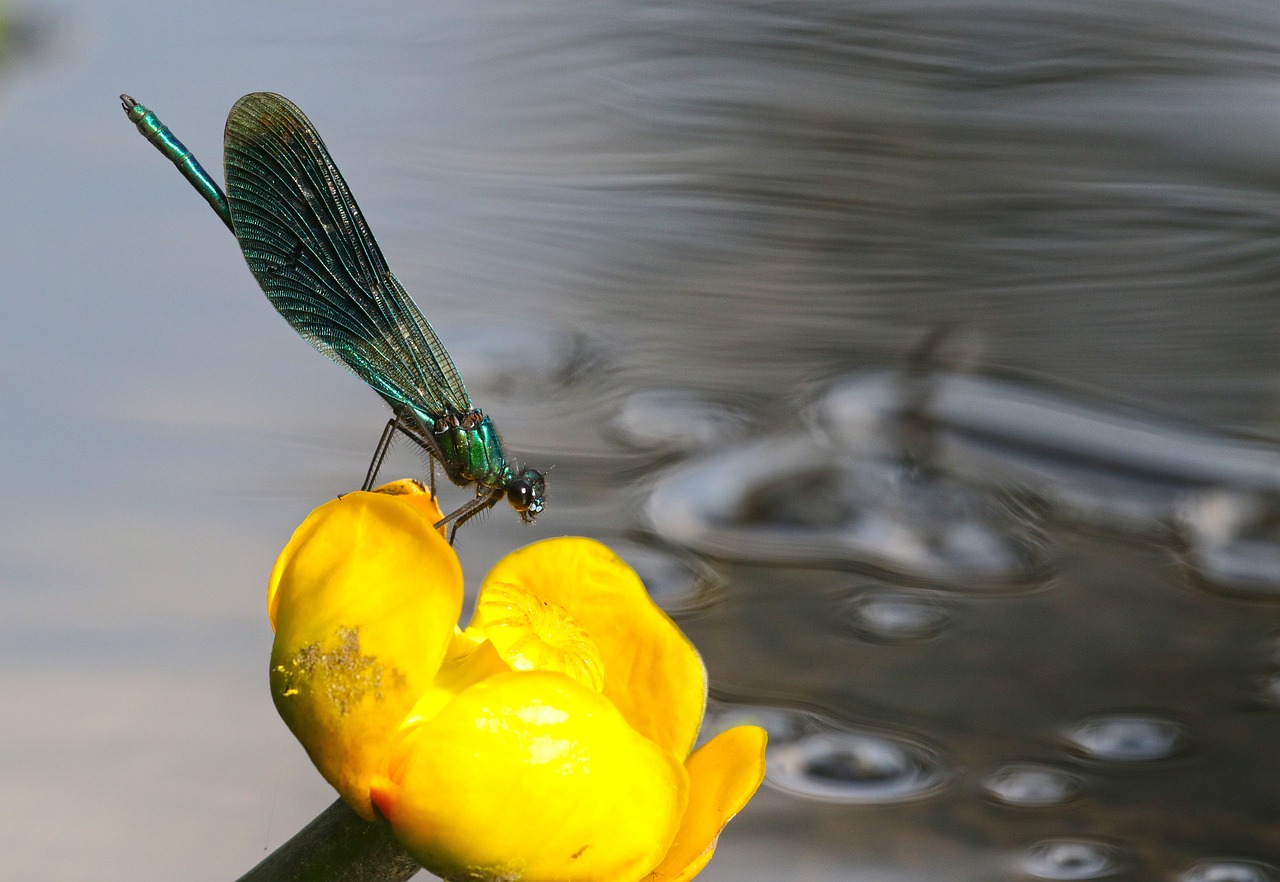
x: 918, y: 354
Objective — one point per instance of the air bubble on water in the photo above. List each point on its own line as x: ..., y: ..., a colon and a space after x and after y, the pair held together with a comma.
x: 1070, y: 859
x: 1027, y: 785
x: 1226, y: 870
x: 894, y: 615
x: 1125, y: 738
x: 854, y: 767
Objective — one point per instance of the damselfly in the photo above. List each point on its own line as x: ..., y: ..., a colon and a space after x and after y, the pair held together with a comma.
x: 307, y: 244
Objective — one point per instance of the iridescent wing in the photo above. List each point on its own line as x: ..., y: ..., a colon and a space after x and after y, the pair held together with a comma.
x: 308, y: 245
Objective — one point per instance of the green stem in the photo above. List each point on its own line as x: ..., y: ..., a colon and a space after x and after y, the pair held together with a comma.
x: 338, y: 846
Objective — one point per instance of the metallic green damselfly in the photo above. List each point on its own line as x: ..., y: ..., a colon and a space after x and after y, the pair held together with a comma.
x: 308, y: 245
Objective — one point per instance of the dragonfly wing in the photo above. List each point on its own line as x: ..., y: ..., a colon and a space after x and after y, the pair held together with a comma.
x: 308, y: 245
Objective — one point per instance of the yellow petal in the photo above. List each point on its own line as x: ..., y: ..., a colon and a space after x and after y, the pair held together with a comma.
x: 465, y: 664
x: 652, y: 673
x: 723, y: 774
x: 532, y: 776
x: 533, y: 634
x: 407, y: 490
x: 364, y: 599
x: 416, y: 494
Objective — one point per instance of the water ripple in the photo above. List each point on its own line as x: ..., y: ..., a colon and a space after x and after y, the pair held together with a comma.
x: 854, y: 767
x: 896, y: 615
x: 673, y: 421
x: 1227, y: 870
x: 796, y: 500
x: 1026, y: 785
x: 1125, y: 738
x: 1067, y: 859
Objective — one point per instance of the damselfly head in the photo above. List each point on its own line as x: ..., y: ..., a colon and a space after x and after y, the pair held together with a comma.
x: 527, y: 494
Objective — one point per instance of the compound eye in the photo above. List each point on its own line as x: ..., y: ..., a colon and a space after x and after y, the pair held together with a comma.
x: 520, y: 495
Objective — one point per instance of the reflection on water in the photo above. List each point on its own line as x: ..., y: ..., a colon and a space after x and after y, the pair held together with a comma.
x: 800, y: 501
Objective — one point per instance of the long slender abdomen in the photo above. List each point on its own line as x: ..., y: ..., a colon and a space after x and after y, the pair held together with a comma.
x: 150, y: 127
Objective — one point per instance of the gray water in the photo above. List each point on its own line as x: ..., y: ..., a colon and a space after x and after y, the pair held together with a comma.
x: 919, y: 355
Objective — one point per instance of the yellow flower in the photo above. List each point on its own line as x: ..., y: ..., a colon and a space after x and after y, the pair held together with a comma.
x: 549, y: 741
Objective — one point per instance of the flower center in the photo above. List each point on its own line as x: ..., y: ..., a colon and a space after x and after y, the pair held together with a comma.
x: 532, y: 634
